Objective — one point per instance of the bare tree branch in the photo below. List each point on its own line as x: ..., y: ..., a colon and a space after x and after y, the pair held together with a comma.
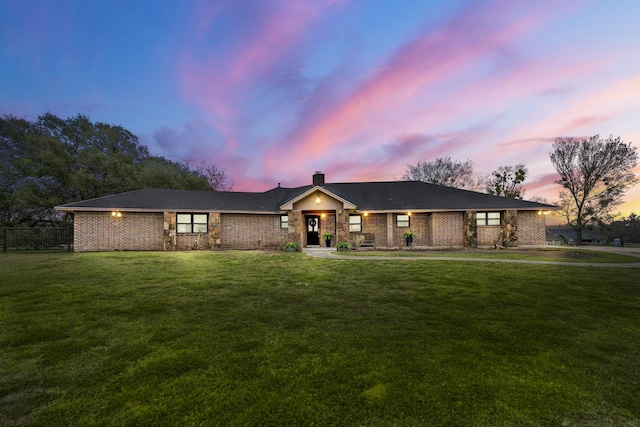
x: 442, y: 171
x: 216, y: 176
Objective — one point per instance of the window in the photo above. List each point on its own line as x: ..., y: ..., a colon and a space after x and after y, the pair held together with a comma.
x: 488, y: 218
x: 284, y: 221
x: 355, y: 223
x: 192, y: 223
x: 403, y: 220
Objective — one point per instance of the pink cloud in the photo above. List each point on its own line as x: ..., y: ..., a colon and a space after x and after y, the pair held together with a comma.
x: 462, y: 88
x: 543, y: 183
x: 391, y: 91
x: 216, y: 80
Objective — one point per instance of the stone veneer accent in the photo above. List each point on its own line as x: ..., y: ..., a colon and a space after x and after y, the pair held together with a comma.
x: 342, y: 226
x: 509, y: 234
x: 470, y: 230
x: 296, y: 227
x: 169, y: 239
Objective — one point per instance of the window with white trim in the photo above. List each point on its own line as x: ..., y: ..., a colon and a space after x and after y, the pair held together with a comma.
x: 488, y: 218
x: 355, y: 223
x: 403, y: 221
x: 192, y: 223
x: 284, y: 221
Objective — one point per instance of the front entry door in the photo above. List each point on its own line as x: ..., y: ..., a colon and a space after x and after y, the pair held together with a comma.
x: 313, y: 230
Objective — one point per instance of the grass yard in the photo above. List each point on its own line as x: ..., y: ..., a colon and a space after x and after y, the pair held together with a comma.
x: 254, y: 338
x: 561, y: 254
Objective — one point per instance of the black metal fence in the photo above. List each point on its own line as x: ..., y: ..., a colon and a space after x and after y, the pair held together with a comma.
x: 37, y: 239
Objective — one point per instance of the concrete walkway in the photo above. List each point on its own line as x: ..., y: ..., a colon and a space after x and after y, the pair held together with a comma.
x: 331, y: 254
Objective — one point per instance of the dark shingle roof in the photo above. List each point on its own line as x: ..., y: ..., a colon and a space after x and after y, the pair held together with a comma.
x: 374, y: 196
x: 570, y: 234
x: 417, y: 195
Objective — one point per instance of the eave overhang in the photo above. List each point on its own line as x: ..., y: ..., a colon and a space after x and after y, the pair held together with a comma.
x: 287, y: 206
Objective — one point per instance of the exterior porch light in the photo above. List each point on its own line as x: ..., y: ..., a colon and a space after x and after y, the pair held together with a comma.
x: 116, y: 214
x: 366, y: 213
x: 318, y: 200
x: 323, y: 215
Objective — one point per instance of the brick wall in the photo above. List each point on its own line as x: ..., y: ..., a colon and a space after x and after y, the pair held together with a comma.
x: 421, y: 226
x: 488, y: 235
x: 448, y: 229
x: 328, y: 224
x: 376, y: 224
x: 241, y: 231
x: 531, y: 229
x: 100, y: 231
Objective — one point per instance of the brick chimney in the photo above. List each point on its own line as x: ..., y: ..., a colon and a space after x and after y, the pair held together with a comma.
x: 318, y: 178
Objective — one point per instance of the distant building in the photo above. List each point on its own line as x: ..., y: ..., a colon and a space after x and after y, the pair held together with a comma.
x: 567, y: 236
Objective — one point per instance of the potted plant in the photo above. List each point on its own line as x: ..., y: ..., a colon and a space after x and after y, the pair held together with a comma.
x: 343, y: 246
x: 291, y: 247
x: 327, y: 238
x: 409, y: 237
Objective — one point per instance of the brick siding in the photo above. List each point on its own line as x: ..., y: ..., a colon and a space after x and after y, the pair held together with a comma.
x: 244, y: 231
x: 420, y: 225
x: 448, y: 229
x: 100, y: 231
x: 488, y: 235
x: 376, y: 224
x: 328, y: 224
x: 531, y: 229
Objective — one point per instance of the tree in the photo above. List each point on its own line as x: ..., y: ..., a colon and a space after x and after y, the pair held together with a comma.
x: 539, y: 199
x: 216, y: 177
x: 595, y: 173
x: 628, y: 229
x: 53, y: 161
x: 507, y: 181
x: 442, y: 171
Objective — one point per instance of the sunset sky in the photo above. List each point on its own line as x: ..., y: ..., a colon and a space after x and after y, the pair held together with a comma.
x: 273, y: 90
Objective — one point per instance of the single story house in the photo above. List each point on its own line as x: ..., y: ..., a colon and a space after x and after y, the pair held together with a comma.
x: 160, y: 219
x: 567, y: 236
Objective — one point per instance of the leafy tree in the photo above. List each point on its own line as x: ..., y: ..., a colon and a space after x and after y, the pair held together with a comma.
x: 595, y: 173
x: 53, y: 161
x: 507, y: 181
x: 158, y: 172
x: 442, y: 171
x: 628, y: 229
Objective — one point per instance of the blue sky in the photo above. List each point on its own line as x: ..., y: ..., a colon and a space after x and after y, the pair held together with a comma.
x: 273, y: 90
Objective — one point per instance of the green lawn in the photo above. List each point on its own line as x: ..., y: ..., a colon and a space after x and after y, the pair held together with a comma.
x: 253, y: 338
x: 553, y: 254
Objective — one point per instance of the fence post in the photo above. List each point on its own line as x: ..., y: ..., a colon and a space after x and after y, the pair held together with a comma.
x: 69, y: 236
x: 4, y: 242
